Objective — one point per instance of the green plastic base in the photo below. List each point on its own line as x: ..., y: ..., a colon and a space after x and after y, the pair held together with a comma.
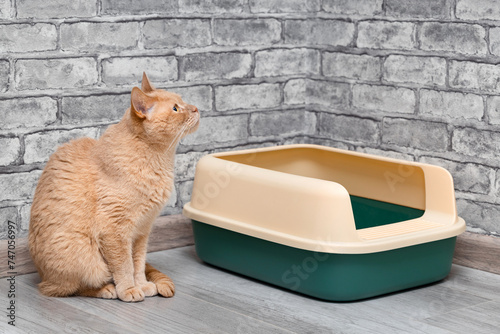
x: 333, y: 277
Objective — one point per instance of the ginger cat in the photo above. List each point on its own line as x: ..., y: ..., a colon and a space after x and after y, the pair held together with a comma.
x: 96, y: 200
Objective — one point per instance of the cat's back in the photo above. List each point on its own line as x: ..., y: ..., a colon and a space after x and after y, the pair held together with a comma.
x: 66, y: 184
x: 63, y: 205
x: 68, y: 161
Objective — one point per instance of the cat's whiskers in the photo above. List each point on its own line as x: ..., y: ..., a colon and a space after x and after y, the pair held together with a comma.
x: 179, y: 135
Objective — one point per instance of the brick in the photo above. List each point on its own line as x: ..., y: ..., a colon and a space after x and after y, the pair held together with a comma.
x: 247, y: 146
x: 220, y: 129
x: 128, y: 70
x: 495, y: 41
x: 451, y: 104
x: 474, y: 76
x: 185, y: 190
x: 214, y: 6
x: 36, y: 112
x: 94, y: 109
x: 4, y: 75
x: 235, y: 97
x: 477, y: 10
x: 497, y: 183
x: 384, y: 153
x: 159, y: 34
x: 282, y: 123
x: 325, y: 93
x: 319, y: 32
x: 28, y: 38
x: 493, y: 109
x: 467, y: 177
x: 4, y: 10
x: 133, y: 7
x: 436, y: 9
x: 386, y: 35
x: 18, y: 186
x: 347, y: 128
x: 453, y: 37
x: 98, y: 37
x: 200, y: 96
x: 417, y: 134
x: 56, y: 73
x: 483, y: 216
x: 418, y: 70
x: 55, y: 9
x: 101, y: 129
x: 295, y: 91
x: 279, y: 62
x: 350, y: 66
x: 329, y: 94
x: 247, y: 32
x: 384, y: 98
x: 9, y: 150
x: 349, y: 7
x: 208, y: 66
x: 316, y: 141
x: 185, y: 165
x: 39, y: 146
x: 170, y: 207
x: 289, y: 6
x: 8, y: 214
x: 476, y: 143
x: 25, y: 213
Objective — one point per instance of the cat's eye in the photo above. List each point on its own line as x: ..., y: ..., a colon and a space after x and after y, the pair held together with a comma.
x: 174, y: 108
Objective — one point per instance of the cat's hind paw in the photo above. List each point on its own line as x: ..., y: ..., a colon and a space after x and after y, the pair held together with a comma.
x: 165, y: 287
x: 107, y: 292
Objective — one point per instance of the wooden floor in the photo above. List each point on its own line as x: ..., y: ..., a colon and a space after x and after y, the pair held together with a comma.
x: 210, y: 300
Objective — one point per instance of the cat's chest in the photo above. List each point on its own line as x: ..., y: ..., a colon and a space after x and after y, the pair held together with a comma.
x: 155, y: 187
x: 142, y: 183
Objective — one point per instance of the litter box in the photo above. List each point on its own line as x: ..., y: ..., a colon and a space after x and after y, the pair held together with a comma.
x: 329, y: 223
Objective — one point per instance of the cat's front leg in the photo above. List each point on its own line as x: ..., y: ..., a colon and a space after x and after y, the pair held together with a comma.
x: 139, y: 251
x: 117, y: 251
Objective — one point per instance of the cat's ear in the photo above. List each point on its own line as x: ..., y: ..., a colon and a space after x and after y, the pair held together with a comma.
x: 141, y: 104
x: 146, y: 85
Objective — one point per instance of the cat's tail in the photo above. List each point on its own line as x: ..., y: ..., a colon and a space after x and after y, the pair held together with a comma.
x: 163, y: 283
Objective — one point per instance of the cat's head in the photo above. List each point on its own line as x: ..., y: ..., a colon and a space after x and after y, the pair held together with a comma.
x: 161, y: 116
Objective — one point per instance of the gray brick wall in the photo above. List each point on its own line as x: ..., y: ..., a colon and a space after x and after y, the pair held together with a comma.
x: 416, y: 80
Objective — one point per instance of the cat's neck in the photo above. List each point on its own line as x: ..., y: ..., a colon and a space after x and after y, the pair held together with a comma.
x: 123, y: 147
x: 136, y: 130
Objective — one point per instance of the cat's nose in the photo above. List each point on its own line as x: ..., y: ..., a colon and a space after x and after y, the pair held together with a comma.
x: 195, y: 109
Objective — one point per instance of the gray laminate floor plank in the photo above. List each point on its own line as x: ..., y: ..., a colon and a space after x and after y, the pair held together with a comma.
x: 210, y: 300
x: 181, y: 314
x: 476, y: 282
x: 483, y: 318
x: 392, y: 313
x: 39, y: 314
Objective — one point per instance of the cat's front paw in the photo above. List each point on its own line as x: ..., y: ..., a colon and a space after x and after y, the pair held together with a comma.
x: 166, y: 287
x: 133, y: 294
x: 149, y: 289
